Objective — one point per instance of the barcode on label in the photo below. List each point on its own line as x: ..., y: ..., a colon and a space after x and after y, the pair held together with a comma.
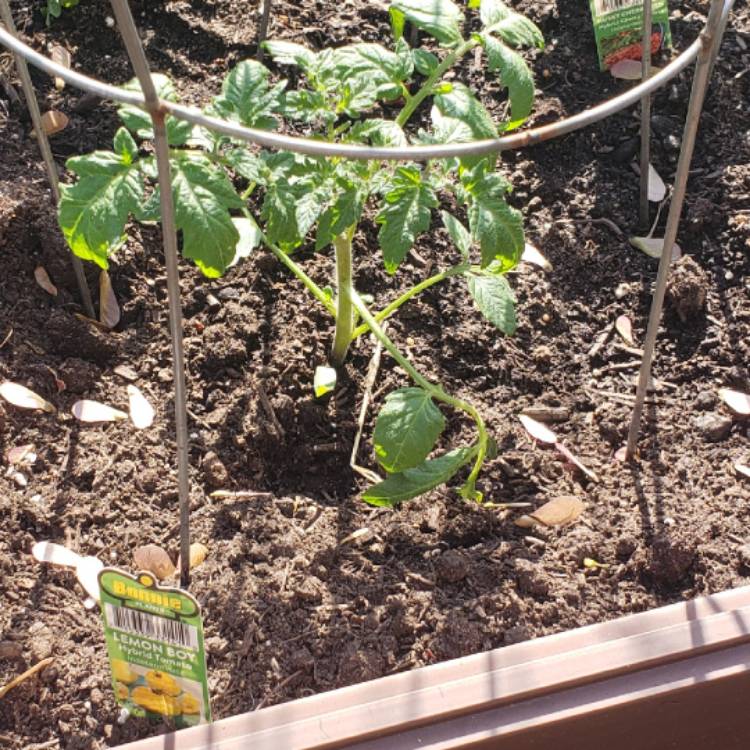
x: 152, y: 626
x: 607, y: 6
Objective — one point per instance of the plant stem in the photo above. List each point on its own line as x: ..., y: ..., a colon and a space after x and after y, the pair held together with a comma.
x: 386, y: 312
x: 342, y: 243
x: 469, y: 489
x: 428, y: 86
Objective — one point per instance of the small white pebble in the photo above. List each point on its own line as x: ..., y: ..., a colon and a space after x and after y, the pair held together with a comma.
x: 123, y: 717
x: 669, y: 521
x: 20, y: 479
x: 113, y: 555
x: 728, y: 276
x: 87, y: 705
x: 36, y: 498
x: 110, y: 22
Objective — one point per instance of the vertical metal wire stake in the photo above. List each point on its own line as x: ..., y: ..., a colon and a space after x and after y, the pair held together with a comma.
x: 129, y: 33
x: 711, y: 39
x: 263, y: 28
x: 44, y: 147
x: 645, y: 113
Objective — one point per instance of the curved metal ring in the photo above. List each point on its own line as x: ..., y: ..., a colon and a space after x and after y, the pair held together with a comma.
x: 354, y: 151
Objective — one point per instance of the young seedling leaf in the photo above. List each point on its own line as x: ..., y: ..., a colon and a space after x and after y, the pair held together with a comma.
x: 515, y: 75
x: 438, y: 18
x: 61, y: 56
x: 459, y: 105
x: 537, y: 430
x: 379, y: 132
x: 654, y: 246
x: 324, y: 380
x: 23, y: 398
x: 203, y: 196
x: 425, y: 62
x: 624, y: 327
x: 42, y: 279
x: 420, y: 479
x: 405, y: 212
x: 154, y: 559
x: 54, y: 121
x: 247, y: 97
x: 109, y: 310
x: 290, y: 53
x: 250, y: 238
x: 496, y: 226
x: 93, y: 211
x: 141, y: 412
x: 511, y: 27
x: 406, y: 429
x: 92, y: 411
x: 533, y: 256
x: 458, y: 233
x: 494, y: 299
x: 737, y: 401
x: 138, y: 121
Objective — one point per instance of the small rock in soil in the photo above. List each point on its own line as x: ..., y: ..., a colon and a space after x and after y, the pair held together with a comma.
x: 705, y: 400
x: 686, y: 288
x: 626, y: 151
x: 713, y: 427
x: 531, y: 578
x: 10, y: 650
x: 214, y: 471
x: 457, y: 636
x: 516, y: 634
x: 78, y: 375
x: 360, y: 666
x: 452, y: 566
x: 42, y: 642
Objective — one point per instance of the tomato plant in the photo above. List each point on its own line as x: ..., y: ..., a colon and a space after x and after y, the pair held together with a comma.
x: 321, y: 200
x: 55, y: 8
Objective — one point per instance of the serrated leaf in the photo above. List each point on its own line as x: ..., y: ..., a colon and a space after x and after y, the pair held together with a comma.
x: 290, y: 53
x: 279, y: 212
x: 460, y: 105
x: 515, y: 76
x: 382, y: 67
x: 512, y: 27
x: 439, y: 18
x: 203, y: 196
x: 379, y: 132
x: 324, y: 380
x: 496, y: 226
x: 125, y: 147
x: 139, y: 122
x: 420, y: 479
x: 494, y: 299
x: 458, y: 233
x: 246, y: 164
x: 406, y: 429
x: 307, y: 106
x: 343, y: 213
x: 246, y: 96
x: 93, y: 211
x: 250, y: 238
x: 405, y: 212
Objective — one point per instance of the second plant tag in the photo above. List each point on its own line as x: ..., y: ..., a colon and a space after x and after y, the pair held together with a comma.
x: 155, y: 643
x: 618, y: 26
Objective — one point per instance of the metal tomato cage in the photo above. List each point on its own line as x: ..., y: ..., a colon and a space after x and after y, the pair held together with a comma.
x: 702, y: 51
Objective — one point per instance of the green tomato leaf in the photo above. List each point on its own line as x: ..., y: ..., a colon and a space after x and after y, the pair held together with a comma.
x: 460, y: 112
x: 279, y: 211
x: 94, y: 210
x: 419, y: 479
x: 407, y: 428
x: 324, y: 380
x: 246, y: 164
x: 458, y: 233
x: 343, y: 213
x: 247, y: 97
x: 425, y: 62
x: 311, y: 205
x: 383, y: 67
x: 512, y: 27
x: 290, y: 53
x: 496, y: 226
x: 139, y: 122
x: 515, y: 76
x: 250, y: 238
x: 125, y: 147
x: 494, y: 299
x: 203, y: 196
x: 405, y: 212
x: 307, y: 106
x: 379, y: 132
x: 439, y: 18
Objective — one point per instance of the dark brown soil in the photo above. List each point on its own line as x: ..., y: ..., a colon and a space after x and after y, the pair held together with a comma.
x: 289, y: 609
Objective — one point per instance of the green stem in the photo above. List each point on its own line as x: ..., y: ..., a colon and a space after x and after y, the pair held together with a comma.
x: 429, y: 85
x: 342, y: 243
x: 386, y: 312
x: 469, y: 488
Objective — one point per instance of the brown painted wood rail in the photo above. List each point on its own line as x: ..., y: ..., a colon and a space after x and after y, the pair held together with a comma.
x: 673, y: 677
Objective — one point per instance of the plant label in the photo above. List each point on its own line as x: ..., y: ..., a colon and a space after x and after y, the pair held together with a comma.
x: 618, y: 28
x: 155, y: 645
